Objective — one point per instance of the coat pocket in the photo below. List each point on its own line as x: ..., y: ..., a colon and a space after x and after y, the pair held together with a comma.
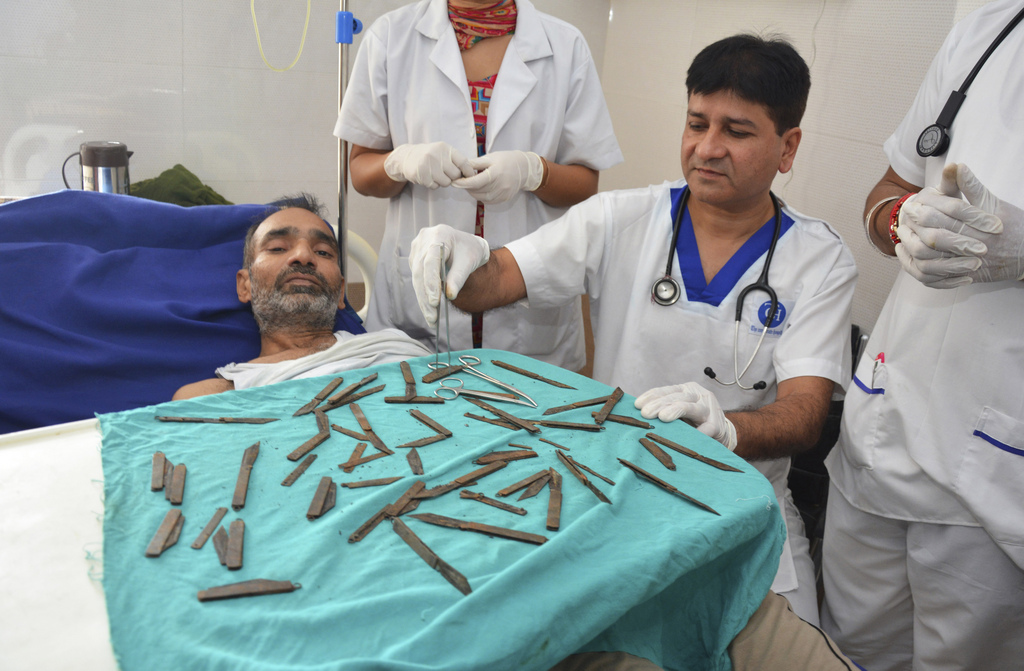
x: 864, y: 411
x: 991, y: 478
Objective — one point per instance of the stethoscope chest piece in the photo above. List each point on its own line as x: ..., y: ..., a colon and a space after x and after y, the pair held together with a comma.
x: 933, y: 141
x: 665, y: 291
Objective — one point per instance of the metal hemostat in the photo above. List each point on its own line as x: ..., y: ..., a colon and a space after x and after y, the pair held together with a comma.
x: 447, y: 323
x: 470, y: 363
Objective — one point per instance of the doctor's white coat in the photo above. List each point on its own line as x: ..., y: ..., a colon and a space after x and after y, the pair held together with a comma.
x: 409, y: 86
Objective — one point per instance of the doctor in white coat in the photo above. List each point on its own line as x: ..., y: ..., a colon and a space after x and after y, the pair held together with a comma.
x: 746, y: 98
x: 924, y: 538
x: 419, y: 105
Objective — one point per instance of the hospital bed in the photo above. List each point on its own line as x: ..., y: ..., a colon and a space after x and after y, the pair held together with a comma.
x: 649, y: 572
x: 111, y: 302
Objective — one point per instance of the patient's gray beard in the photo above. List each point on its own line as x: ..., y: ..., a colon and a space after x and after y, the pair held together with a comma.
x: 311, y: 309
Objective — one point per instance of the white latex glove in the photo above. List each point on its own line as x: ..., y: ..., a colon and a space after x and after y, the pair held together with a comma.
x: 463, y: 253
x: 1004, y: 238
x: 502, y: 174
x: 692, y: 403
x: 430, y: 165
x: 942, y: 236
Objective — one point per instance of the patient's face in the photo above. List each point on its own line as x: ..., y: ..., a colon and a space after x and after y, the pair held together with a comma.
x: 294, y: 281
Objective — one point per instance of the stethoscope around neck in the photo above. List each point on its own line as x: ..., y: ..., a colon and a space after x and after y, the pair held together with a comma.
x: 666, y: 291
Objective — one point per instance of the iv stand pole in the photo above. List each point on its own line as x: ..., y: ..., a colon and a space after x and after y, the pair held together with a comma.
x: 345, y: 28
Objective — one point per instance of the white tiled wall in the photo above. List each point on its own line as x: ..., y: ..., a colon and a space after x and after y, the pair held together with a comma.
x: 182, y: 81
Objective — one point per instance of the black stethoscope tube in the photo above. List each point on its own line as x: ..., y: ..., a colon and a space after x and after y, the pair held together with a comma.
x: 666, y: 290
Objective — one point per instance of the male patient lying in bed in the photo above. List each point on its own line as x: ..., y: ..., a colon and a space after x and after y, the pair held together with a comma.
x: 292, y: 278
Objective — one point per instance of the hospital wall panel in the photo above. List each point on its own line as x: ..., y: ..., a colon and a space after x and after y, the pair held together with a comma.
x: 100, y: 31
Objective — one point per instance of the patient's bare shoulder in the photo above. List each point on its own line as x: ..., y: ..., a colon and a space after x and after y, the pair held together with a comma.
x: 214, y: 385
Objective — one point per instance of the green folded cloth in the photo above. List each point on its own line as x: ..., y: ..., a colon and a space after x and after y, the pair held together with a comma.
x: 178, y: 186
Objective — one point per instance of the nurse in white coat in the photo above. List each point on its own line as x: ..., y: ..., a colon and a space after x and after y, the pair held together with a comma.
x: 418, y: 103
x: 615, y: 246
x: 924, y: 539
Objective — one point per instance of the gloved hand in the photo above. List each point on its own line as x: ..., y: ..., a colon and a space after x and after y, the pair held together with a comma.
x: 502, y: 174
x: 693, y: 403
x: 463, y: 253
x: 430, y: 165
x: 943, y: 238
x: 1004, y: 238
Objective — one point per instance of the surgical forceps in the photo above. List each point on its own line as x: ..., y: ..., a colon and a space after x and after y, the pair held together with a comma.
x: 470, y: 362
x: 447, y: 327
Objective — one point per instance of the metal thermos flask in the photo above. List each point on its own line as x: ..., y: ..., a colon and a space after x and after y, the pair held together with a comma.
x: 104, y: 167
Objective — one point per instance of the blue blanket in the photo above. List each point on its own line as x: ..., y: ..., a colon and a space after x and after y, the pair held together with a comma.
x: 649, y: 573
x: 109, y: 302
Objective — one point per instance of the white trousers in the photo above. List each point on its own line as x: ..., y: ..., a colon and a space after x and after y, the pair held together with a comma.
x: 912, y: 595
x: 803, y: 599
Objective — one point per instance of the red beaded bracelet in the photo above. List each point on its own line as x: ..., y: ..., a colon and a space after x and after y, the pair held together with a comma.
x: 894, y: 218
